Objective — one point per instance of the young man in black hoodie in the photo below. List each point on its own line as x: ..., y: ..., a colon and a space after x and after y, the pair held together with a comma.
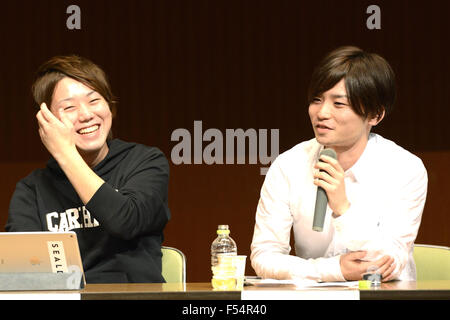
x: 113, y: 194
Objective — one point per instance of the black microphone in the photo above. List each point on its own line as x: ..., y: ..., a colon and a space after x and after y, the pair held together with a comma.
x: 321, y: 198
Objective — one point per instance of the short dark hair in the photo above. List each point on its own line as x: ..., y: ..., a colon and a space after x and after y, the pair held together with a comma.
x: 75, y: 67
x: 369, y: 80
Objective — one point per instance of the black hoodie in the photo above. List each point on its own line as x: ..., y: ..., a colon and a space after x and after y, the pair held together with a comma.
x: 120, y: 230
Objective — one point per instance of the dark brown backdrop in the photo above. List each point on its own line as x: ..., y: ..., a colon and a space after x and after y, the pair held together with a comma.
x: 230, y: 64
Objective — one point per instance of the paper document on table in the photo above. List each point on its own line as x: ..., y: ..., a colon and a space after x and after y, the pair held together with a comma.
x: 346, y: 284
x: 300, y: 283
x: 271, y: 289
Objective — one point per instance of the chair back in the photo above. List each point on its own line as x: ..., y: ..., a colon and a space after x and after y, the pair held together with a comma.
x: 432, y: 262
x: 173, y: 265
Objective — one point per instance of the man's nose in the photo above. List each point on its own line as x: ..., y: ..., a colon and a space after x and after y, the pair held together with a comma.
x: 85, y: 113
x: 325, y: 110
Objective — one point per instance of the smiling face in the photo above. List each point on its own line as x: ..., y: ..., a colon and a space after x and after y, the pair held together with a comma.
x: 89, y: 113
x: 336, y: 124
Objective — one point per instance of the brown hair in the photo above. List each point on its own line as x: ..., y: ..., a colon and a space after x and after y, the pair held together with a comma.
x: 75, y: 67
x: 369, y: 80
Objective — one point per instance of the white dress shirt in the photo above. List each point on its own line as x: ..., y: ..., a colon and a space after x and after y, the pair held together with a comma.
x: 386, y: 188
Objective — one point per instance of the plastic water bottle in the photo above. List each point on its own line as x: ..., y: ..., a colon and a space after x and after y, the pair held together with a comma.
x: 222, y: 248
x: 223, y: 244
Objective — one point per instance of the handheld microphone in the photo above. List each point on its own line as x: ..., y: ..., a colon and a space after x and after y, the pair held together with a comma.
x: 321, y: 198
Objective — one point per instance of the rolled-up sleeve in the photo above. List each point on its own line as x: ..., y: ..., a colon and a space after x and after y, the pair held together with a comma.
x: 387, y: 226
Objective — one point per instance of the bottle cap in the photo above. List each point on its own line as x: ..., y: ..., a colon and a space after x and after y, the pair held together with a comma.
x: 223, y: 229
x: 373, y: 275
x: 364, y: 284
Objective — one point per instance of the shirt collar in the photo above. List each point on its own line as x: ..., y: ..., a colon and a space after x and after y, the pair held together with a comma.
x: 363, y: 167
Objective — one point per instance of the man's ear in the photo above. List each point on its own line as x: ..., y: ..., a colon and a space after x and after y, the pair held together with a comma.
x: 377, y: 119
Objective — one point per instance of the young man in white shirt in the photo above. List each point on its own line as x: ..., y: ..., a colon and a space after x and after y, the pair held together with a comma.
x: 376, y: 190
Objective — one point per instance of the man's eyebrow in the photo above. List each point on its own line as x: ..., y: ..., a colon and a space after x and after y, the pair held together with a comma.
x: 70, y: 98
x: 337, y: 96
x: 66, y: 99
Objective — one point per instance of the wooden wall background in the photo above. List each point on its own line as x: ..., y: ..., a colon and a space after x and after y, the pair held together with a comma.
x: 230, y: 64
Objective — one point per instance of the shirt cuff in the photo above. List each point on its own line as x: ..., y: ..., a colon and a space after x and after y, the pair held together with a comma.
x: 330, y: 269
x: 322, y: 269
